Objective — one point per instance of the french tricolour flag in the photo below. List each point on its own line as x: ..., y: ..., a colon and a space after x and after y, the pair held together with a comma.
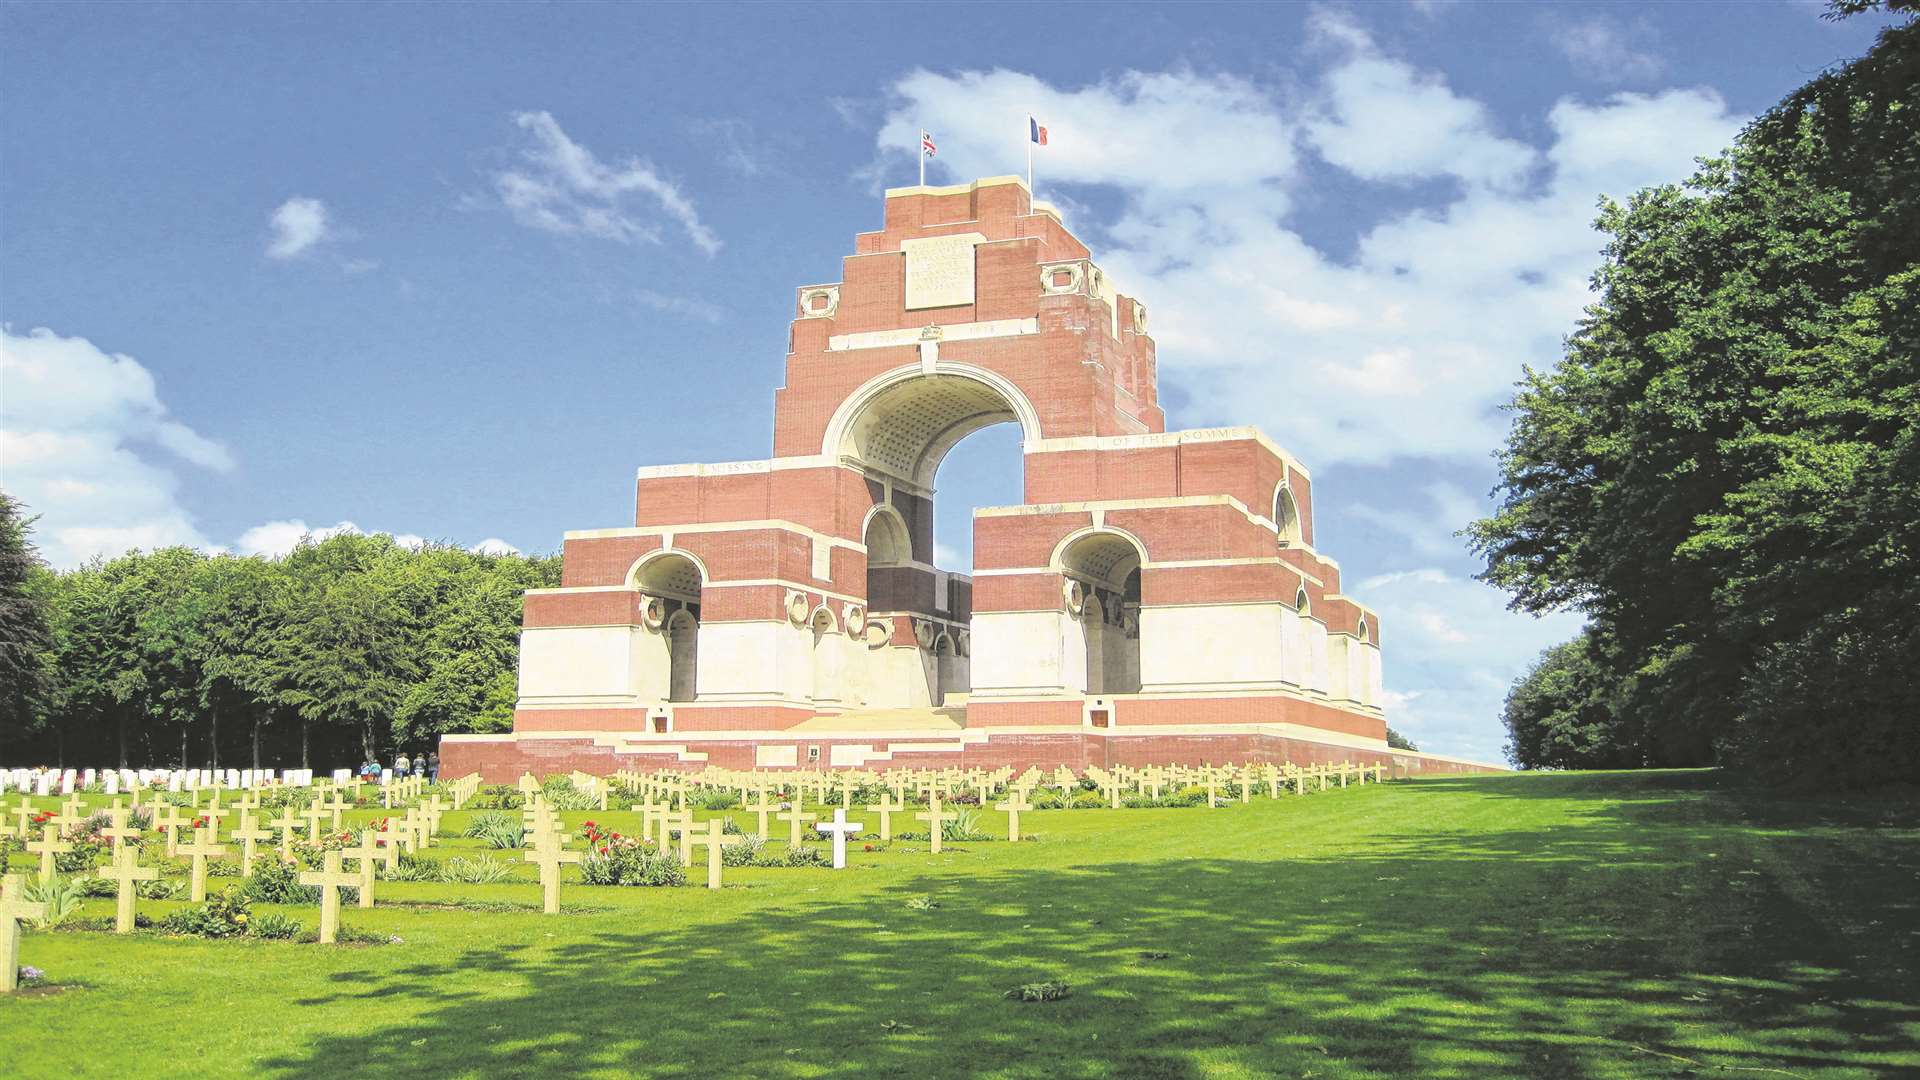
x: 1037, y: 133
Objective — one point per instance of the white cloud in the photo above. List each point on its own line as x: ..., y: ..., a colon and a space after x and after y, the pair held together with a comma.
x: 84, y: 439
x: 275, y: 538
x: 681, y: 305
x: 1450, y: 650
x: 493, y: 545
x: 1382, y: 119
x: 298, y: 225
x: 1396, y: 351
x: 1609, y: 49
x: 562, y: 187
x: 1403, y: 349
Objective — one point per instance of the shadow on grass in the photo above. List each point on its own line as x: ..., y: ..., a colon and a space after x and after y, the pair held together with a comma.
x: 1643, y: 943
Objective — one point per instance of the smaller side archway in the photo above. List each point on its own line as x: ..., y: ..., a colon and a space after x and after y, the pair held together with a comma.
x: 1107, y: 564
x: 677, y: 579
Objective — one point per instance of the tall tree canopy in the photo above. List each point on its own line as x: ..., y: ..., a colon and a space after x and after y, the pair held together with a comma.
x: 26, y: 640
x: 1724, y: 468
x: 348, y: 647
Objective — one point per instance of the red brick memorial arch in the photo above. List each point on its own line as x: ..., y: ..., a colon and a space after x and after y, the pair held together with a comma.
x: 1155, y: 597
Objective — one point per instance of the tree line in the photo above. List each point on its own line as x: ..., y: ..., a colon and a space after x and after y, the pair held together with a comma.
x: 1723, y: 470
x: 347, y: 648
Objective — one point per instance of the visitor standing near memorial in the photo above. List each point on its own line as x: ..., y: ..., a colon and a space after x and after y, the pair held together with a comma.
x: 433, y: 766
x: 400, y: 765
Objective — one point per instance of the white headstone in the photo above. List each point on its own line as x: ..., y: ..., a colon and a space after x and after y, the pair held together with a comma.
x: 840, y: 828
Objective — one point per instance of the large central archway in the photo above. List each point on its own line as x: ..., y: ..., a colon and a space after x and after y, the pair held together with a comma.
x: 897, y: 429
x: 901, y: 423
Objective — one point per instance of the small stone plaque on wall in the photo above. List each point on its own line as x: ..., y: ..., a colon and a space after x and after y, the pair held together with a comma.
x: 940, y: 270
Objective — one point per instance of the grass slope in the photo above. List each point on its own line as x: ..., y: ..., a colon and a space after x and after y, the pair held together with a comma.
x: 1579, y: 925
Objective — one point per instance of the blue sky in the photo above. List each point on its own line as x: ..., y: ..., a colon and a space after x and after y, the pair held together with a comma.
x: 453, y: 272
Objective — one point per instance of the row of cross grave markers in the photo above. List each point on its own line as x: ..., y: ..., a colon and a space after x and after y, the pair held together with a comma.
x: 202, y: 844
x: 196, y: 831
x: 759, y: 790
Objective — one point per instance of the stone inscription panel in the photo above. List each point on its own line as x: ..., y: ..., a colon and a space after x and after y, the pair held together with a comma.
x: 940, y: 270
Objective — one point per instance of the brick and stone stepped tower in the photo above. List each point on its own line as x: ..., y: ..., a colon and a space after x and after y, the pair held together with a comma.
x: 1157, y: 597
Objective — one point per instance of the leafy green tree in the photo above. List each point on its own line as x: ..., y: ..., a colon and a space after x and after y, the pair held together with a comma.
x: 1399, y: 741
x: 1723, y: 470
x: 1561, y: 713
x: 348, y: 652
x: 26, y: 638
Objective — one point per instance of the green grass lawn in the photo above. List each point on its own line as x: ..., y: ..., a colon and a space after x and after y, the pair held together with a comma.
x: 1600, y: 924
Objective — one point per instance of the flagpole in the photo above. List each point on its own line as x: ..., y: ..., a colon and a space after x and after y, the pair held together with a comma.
x: 920, y: 152
x: 1029, y: 164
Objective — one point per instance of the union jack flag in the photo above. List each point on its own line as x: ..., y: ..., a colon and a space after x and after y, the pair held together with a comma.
x: 926, y: 143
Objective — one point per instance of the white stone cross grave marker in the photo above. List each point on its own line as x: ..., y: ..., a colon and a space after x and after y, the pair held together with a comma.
x: 795, y: 819
x: 127, y: 871
x: 202, y: 849
x: 548, y: 854
x: 365, y: 854
x: 249, y: 833
x: 840, y: 828
x: 936, y: 820
x: 330, y: 878
x: 288, y: 823
x: 763, y: 808
x: 47, y: 847
x: 716, y: 840
x: 1016, y: 802
x: 13, y: 912
x: 886, y: 808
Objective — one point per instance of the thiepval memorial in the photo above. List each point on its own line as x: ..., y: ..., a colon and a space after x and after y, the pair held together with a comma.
x: 1156, y: 598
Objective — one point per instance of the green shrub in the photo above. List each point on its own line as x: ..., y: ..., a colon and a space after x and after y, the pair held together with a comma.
x: 796, y: 855
x: 280, y: 798
x: 224, y: 915
x: 562, y: 795
x: 745, y: 853
x: 1048, y: 799
x: 99, y: 886
x: 964, y: 826
x: 498, y: 797
x: 160, y: 889
x: 411, y: 868
x: 276, y: 882
x: 88, y: 851
x: 714, y: 798
x: 1088, y: 800
x: 480, y: 870
x: 62, y: 895
x: 273, y: 926
x: 497, y: 830
x: 632, y: 864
